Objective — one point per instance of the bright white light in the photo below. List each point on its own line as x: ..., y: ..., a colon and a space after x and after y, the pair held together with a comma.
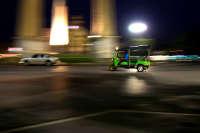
x: 75, y: 27
x: 137, y: 28
x: 95, y: 36
x: 117, y: 48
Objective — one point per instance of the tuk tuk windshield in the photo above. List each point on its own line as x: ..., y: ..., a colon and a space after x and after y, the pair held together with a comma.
x: 138, y: 53
x: 132, y: 52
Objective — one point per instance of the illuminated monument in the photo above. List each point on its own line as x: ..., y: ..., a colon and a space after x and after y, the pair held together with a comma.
x: 59, y: 34
x: 29, y: 26
x: 30, y: 20
x: 103, y: 26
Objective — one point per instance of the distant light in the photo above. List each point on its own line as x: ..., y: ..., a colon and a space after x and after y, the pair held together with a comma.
x: 159, y: 57
x: 74, y: 27
x: 117, y: 48
x: 138, y: 27
x: 9, y: 55
x: 15, y: 49
x: 95, y: 36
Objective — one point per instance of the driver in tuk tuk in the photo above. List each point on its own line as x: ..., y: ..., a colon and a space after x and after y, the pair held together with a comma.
x: 126, y: 56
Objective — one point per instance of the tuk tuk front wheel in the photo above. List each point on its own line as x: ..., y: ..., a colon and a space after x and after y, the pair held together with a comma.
x: 140, y: 68
x: 112, y: 68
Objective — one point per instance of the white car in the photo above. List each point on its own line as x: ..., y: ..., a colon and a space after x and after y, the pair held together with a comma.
x: 39, y: 59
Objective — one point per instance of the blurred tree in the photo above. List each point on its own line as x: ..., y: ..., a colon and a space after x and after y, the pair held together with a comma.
x: 188, y: 41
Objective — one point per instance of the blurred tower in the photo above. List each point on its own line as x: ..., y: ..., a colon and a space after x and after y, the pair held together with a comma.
x: 103, y: 18
x: 103, y: 25
x: 59, y: 30
x: 29, y: 18
x: 29, y: 26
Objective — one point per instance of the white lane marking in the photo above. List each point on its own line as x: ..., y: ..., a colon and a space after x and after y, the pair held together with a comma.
x: 56, y: 122
x: 93, y: 115
x: 154, y: 112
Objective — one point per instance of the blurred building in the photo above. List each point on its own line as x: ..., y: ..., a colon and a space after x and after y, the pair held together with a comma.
x: 31, y: 36
x: 29, y: 19
x: 29, y: 26
x: 103, y: 18
x: 77, y: 36
x: 103, y: 27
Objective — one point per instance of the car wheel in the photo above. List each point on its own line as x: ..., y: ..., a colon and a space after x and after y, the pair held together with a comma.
x: 48, y: 63
x: 26, y: 62
x: 140, y: 68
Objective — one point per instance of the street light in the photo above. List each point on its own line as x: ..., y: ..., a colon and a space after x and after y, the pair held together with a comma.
x: 137, y: 27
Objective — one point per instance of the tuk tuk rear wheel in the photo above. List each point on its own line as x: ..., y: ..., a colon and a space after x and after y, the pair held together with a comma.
x: 140, y: 68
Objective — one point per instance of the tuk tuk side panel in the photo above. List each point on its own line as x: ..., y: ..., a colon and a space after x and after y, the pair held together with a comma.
x: 124, y: 63
x: 145, y: 63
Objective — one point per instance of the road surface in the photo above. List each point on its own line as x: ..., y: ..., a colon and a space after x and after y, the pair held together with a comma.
x: 60, y: 99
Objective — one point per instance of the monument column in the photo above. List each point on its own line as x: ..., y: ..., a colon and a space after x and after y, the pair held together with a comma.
x: 103, y: 18
x: 103, y: 25
x: 29, y: 26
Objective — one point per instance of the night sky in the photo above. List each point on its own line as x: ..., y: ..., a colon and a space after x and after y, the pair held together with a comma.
x: 166, y: 18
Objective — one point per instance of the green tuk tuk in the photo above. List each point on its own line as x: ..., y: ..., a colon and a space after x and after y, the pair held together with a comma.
x: 131, y: 57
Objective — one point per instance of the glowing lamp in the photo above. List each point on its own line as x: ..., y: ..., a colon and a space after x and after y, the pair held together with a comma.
x: 137, y: 28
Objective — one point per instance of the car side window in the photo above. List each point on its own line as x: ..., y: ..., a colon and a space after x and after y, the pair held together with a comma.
x: 42, y: 56
x: 46, y: 56
x: 35, y: 56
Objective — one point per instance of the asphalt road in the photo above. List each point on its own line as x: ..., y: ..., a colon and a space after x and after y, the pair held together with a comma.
x: 76, y: 99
